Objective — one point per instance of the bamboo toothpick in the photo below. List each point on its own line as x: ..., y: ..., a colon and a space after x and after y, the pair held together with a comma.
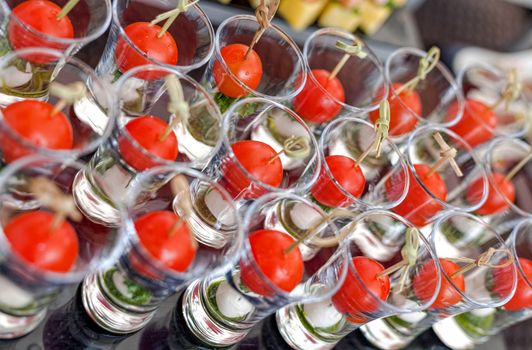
x: 171, y: 16
x: 482, y: 260
x: 177, y: 105
x: 382, y: 126
x: 264, y: 13
x: 66, y: 9
x: 67, y: 94
x: 294, y: 147
x: 426, y: 65
x: 447, y: 154
x: 518, y: 167
x: 356, y: 48
x: 50, y: 196
x: 511, y: 90
x: 181, y: 189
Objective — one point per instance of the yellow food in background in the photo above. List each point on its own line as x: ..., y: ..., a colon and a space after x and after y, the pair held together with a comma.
x: 337, y: 16
x: 301, y: 13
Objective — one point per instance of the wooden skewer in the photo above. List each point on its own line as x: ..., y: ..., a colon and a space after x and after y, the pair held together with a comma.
x: 518, y: 167
x: 177, y: 105
x: 447, y: 154
x: 171, y: 16
x: 68, y: 94
x: 426, y: 65
x: 293, y: 147
x: 382, y: 126
x: 264, y: 13
x: 69, y: 6
x: 354, y: 49
x: 482, y: 260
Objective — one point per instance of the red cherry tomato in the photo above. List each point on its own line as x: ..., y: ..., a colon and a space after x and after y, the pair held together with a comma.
x: 147, y: 132
x: 247, y: 70
x: 403, y: 111
x: 495, y: 202
x: 145, y: 37
x: 256, y: 157
x: 425, y: 284
x: 41, y: 15
x: 349, y: 176
x: 33, y: 121
x: 32, y: 238
x: 418, y: 206
x: 284, y: 270
x: 315, y: 105
x: 175, y: 248
x: 476, y: 125
x: 522, y: 298
x: 353, y: 298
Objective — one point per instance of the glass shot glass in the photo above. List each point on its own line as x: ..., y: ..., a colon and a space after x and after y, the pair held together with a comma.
x: 275, y: 68
x: 377, y: 283
x: 508, y: 162
x: 434, y: 189
x: 378, y: 182
x: 429, y: 103
x: 162, y: 255
x: 88, y: 20
x: 476, y: 274
x: 266, y: 147
x: 46, y: 244
x: 29, y: 126
x: 274, y: 271
x: 358, y: 87
x: 149, y: 133
x: 476, y: 327
x: 488, y: 111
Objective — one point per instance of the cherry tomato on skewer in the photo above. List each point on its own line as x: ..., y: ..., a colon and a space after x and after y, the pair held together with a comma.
x: 477, y: 123
x: 33, y: 238
x: 147, y: 132
x: 522, y: 298
x: 353, y: 297
x: 495, y: 203
x: 347, y: 173
x: 145, y: 37
x: 418, y: 206
x: 34, y: 121
x: 425, y: 284
x: 403, y: 111
x: 167, y: 239
x: 260, y: 160
x: 248, y: 70
x: 41, y: 15
x: 283, y: 269
x: 315, y: 105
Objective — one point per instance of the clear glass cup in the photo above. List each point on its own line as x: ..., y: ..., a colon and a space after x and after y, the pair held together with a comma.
x: 124, y: 298
x: 485, y: 115
x: 386, y: 179
x: 361, y: 80
x: 376, y: 241
x: 446, y: 190
x: 221, y: 311
x: 431, y: 101
x: 34, y: 265
x: 122, y: 157
x: 258, y: 129
x: 282, y: 64
x: 509, y: 201
x: 474, y: 289
x: 89, y: 18
x: 476, y: 327
x: 70, y: 135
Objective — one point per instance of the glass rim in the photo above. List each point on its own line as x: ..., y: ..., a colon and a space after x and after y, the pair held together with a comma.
x: 371, y: 55
x: 522, y: 145
x: 299, y: 188
x: 273, y: 27
x: 383, y: 304
x: 111, y: 114
x: 516, y: 232
x: 501, y: 76
x: 442, y: 69
x: 248, y: 253
x: 83, y: 40
x: 456, y: 213
x: 421, y: 131
x: 186, y: 68
x: 59, y: 278
x: 130, y: 74
x: 128, y: 227
x: 332, y: 126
